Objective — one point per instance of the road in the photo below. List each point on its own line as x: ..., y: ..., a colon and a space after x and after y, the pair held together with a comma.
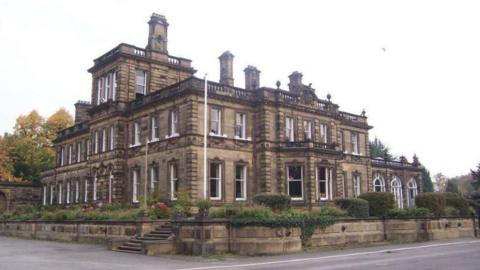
x: 20, y: 254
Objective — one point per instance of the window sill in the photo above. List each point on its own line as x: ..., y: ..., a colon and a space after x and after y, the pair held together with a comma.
x: 240, y: 199
x: 134, y: 145
x: 172, y: 136
x: 154, y: 140
x: 217, y: 135
x: 248, y: 139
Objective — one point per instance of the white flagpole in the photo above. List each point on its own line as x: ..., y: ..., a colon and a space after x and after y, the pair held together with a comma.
x: 205, y: 134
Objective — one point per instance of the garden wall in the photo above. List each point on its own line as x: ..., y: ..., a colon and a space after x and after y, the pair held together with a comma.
x: 77, y: 231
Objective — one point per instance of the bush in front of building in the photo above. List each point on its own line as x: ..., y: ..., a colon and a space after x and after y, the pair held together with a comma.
x: 276, y: 202
x: 434, y: 201
x: 458, y: 202
x: 355, y: 207
x: 330, y: 211
x: 409, y: 212
x: 379, y: 203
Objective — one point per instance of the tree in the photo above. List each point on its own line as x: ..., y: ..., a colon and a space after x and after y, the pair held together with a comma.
x: 476, y: 178
x: 451, y: 187
x: 380, y: 150
x: 440, y: 182
x: 28, y: 151
x: 427, y: 180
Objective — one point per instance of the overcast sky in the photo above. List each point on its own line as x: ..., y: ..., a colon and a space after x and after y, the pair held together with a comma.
x: 414, y: 66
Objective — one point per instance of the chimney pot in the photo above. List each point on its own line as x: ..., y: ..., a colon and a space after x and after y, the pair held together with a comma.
x: 226, y: 68
x: 252, y: 78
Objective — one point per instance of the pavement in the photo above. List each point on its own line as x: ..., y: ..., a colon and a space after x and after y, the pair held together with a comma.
x: 20, y: 254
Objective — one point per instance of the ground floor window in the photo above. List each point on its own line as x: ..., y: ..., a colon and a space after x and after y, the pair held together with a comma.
x: 77, y: 191
x: 215, y: 181
x: 44, y: 195
x: 95, y: 187
x: 412, y: 192
x: 295, y: 182
x: 153, y: 179
x: 110, y: 187
x: 356, y: 185
x: 173, y: 181
x: 67, y: 195
x: 397, y: 192
x: 240, y: 182
x: 60, y: 191
x: 135, y: 185
x: 324, y: 180
x: 379, y: 184
x: 52, y: 192
x: 85, y: 194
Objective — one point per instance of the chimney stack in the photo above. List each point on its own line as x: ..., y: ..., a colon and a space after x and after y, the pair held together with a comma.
x: 252, y: 78
x: 226, y: 68
x: 157, y: 34
x: 81, y: 111
x: 295, y: 80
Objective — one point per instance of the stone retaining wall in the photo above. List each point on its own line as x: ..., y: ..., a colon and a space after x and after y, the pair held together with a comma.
x: 77, y: 231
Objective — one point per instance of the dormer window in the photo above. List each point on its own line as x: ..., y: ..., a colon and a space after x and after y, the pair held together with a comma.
x: 141, y: 82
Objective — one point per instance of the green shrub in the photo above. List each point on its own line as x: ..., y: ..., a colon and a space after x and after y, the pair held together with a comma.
x: 276, y: 202
x: 203, y: 205
x: 451, y: 211
x: 254, y: 212
x: 379, y: 203
x: 409, y: 212
x: 458, y: 202
x: 435, y: 202
x: 330, y: 211
x: 355, y: 207
x: 183, y: 203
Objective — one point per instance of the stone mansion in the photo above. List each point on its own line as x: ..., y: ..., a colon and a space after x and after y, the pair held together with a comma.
x: 145, y: 125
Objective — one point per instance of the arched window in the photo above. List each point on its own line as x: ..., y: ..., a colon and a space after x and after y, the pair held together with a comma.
x: 397, y: 191
x: 378, y: 183
x: 411, y: 192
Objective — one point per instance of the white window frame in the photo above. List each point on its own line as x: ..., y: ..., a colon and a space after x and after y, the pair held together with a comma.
x: 289, y: 129
x: 107, y: 85
x: 85, y: 192
x: 173, y: 123
x: 327, y: 181
x: 70, y: 150
x: 67, y: 195
x: 110, y: 186
x: 77, y: 191
x: 100, y: 98
x: 104, y: 140
x: 135, y: 185
x: 357, y: 184
x: 136, y: 133
x: 95, y: 178
x: 381, y: 184
x: 324, y: 133
x: 79, y: 151
x: 112, y: 134
x: 243, y: 182
x: 215, y: 119
x: 141, y: 83
x: 95, y: 145
x: 396, y: 189
x: 411, y: 187
x: 307, y: 130
x: 52, y: 192
x: 61, y: 156
x: 173, y: 173
x: 218, y: 180
x: 154, y: 127
x: 153, y: 178
x: 114, y: 85
x: 60, y: 191
x: 295, y: 180
x: 44, y: 201
x: 240, y: 125
x: 354, y: 143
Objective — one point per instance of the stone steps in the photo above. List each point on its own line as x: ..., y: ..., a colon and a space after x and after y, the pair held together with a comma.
x: 134, y: 245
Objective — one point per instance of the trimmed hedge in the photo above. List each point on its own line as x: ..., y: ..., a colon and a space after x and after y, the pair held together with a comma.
x: 379, y: 202
x: 433, y: 201
x: 276, y: 202
x: 458, y: 202
x: 355, y: 207
x: 409, y: 212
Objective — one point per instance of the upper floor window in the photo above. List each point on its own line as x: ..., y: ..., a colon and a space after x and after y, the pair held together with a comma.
x: 289, y: 131
x: 69, y: 154
x: 174, y: 123
x: 95, y: 142
x: 355, y: 144
x: 341, y: 141
x: 240, y: 125
x: 79, y: 151
x: 136, y: 134
x: 307, y: 130
x: 295, y: 182
x: 86, y: 149
x: 323, y: 133
x: 100, y: 90
x: 106, y: 87
x: 141, y: 82
x: 215, y: 122
x: 104, y: 140
x: 240, y: 182
x: 112, y: 134
x: 154, y: 128
x: 60, y: 156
